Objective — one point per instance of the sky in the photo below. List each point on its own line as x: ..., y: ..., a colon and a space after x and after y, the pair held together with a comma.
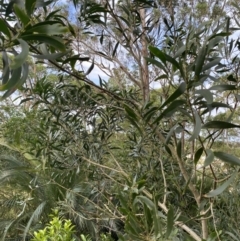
x: 95, y: 73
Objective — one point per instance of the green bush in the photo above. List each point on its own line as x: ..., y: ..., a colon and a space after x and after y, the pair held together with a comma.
x: 57, y: 230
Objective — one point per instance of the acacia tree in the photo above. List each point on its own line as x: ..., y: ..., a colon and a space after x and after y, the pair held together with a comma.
x: 155, y: 180
x: 117, y: 34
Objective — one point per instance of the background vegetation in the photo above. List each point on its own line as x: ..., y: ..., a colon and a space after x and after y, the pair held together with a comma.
x: 148, y: 153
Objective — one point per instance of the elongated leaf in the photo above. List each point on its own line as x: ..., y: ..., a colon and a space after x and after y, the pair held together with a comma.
x: 131, y: 113
x: 6, y: 69
x: 35, y: 216
x: 219, y: 34
x: 18, y: 83
x: 173, y: 61
x: 29, y: 6
x: 47, y: 29
x: 234, y: 237
x: 198, y: 155
x: 4, y: 29
x: 178, y: 92
x: 42, y: 3
x: 115, y: 49
x: 219, y: 104
x: 90, y: 68
x: 163, y: 76
x: 148, y: 217
x: 209, y: 158
x: 13, y: 80
x: 211, y: 64
x: 197, y: 127
x: 213, y: 42
x: 170, y: 221
x: 158, y: 53
x: 163, y: 56
x: 200, y: 61
x: 219, y: 125
x: 101, y: 38
x: 179, y: 149
x: 170, y: 109
x: 43, y: 38
x: 221, y: 188
x: 157, y: 63
x: 49, y: 56
x: 77, y: 57
x: 132, y: 225
x: 214, y: 105
x: 146, y: 201
x: 180, y: 51
x: 20, y: 58
x: 206, y: 94
x: 148, y: 115
x: 21, y: 14
x: 223, y: 87
x: 227, y: 158
x: 170, y: 133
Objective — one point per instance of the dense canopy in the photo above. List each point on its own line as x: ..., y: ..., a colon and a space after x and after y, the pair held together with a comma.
x: 119, y: 120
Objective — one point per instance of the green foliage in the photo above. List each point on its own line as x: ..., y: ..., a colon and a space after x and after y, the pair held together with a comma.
x: 107, y: 157
x: 57, y: 229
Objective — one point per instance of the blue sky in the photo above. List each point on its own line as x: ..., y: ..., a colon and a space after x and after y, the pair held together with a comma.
x: 96, y: 72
